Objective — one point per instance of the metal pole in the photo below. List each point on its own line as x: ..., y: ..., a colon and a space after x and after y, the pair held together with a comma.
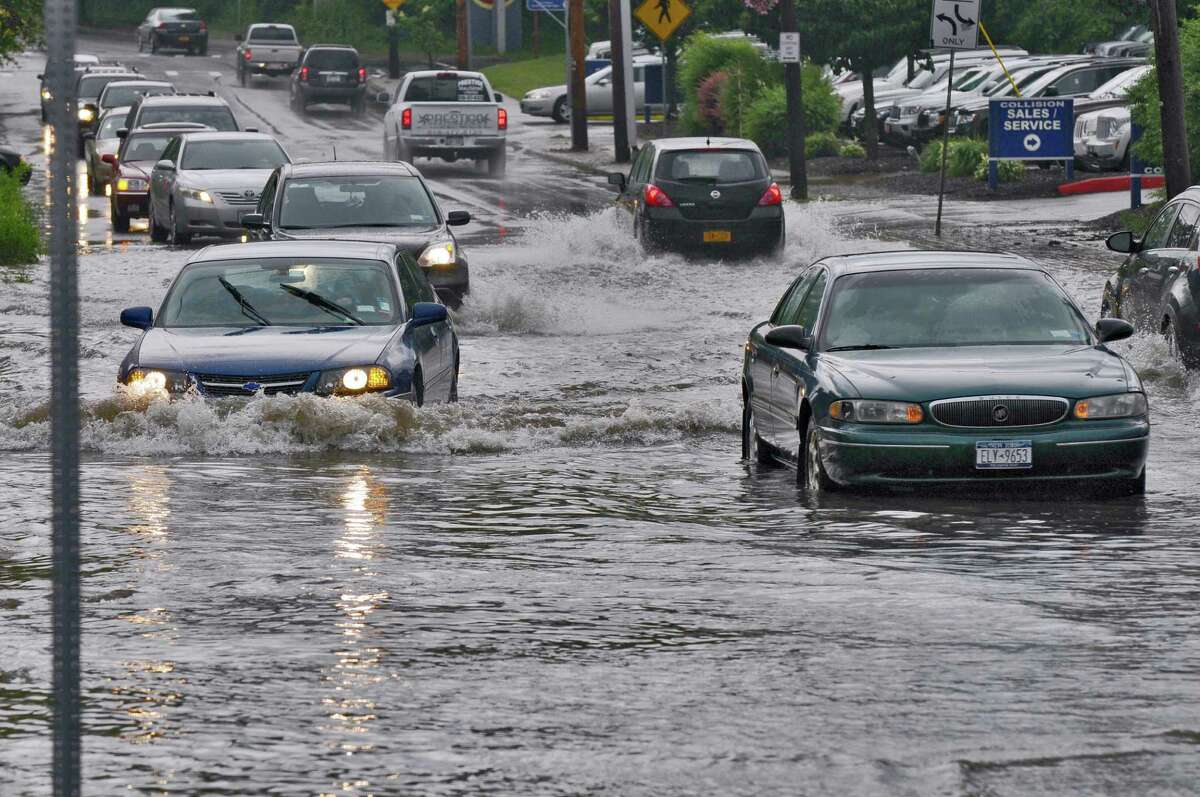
x: 945, y: 145
x: 470, y: 37
x: 501, y: 28
x: 60, y: 22
x: 462, y: 33
x: 630, y: 81
x: 621, y: 80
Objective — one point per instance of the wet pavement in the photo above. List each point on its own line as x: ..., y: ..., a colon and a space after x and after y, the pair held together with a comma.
x: 569, y: 583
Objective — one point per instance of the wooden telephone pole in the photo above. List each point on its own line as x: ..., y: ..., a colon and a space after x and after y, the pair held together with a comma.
x: 1177, y: 165
x: 795, y: 108
x: 579, y: 131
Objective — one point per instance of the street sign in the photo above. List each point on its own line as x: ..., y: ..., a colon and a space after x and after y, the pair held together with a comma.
x: 1031, y: 129
x: 394, y: 5
x: 955, y: 24
x: 545, y: 5
x: 662, y: 17
x: 789, y: 48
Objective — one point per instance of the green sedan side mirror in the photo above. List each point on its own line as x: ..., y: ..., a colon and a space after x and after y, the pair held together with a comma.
x: 789, y: 336
x: 1111, y: 329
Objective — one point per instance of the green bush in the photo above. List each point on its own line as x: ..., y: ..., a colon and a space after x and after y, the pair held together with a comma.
x: 20, y: 239
x: 964, y: 156
x: 931, y: 157
x: 1006, y: 171
x: 852, y: 149
x: 766, y: 116
x: 702, y: 55
x: 821, y: 145
x: 1144, y: 101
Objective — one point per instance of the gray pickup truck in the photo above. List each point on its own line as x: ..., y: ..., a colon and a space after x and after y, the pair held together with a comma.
x: 267, y: 49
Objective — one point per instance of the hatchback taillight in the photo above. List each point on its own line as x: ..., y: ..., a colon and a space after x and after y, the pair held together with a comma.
x: 362, y: 74
x: 246, y: 54
x: 304, y: 73
x: 772, y: 196
x: 655, y: 197
x: 501, y: 119
x: 406, y: 119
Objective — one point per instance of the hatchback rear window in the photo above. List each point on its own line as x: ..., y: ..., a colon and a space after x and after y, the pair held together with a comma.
x: 448, y: 88
x: 711, y: 166
x: 336, y: 60
x: 216, y: 117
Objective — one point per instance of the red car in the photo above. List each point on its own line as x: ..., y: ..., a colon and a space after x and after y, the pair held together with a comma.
x: 140, y: 150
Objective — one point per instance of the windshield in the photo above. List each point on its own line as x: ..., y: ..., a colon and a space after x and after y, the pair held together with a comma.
x: 450, y: 88
x: 1022, y: 79
x: 111, y: 123
x: 115, y: 96
x: 256, y: 154
x: 950, y: 307
x: 335, y: 60
x: 282, y: 291
x: 711, y: 166
x: 1121, y: 84
x: 181, y: 15
x: 386, y: 201
x: 215, y: 116
x: 146, y: 146
x: 273, y: 33
x: 90, y: 86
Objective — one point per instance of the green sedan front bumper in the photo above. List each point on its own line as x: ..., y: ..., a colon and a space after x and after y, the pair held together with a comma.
x: 878, y: 455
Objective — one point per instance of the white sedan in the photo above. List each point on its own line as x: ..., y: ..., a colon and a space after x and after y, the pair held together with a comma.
x: 552, y: 100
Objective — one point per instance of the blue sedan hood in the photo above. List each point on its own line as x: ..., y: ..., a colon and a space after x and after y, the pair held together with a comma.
x: 261, y: 351
x: 927, y: 374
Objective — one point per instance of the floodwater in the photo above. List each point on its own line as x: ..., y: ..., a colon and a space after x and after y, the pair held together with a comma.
x: 569, y: 583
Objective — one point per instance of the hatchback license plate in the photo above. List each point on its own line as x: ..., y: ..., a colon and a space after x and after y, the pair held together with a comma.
x: 717, y: 236
x: 1001, y: 454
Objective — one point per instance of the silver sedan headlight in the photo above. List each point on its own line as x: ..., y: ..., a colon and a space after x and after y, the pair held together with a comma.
x: 1120, y: 405
x: 438, y: 254
x: 199, y: 196
x: 538, y: 94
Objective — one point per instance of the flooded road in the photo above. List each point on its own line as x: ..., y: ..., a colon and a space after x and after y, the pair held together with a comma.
x: 569, y: 583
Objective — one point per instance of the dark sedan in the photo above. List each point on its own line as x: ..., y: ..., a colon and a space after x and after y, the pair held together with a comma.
x: 173, y: 27
x: 922, y: 368
x: 368, y: 200
x: 702, y: 193
x: 331, y: 318
x: 1158, y: 285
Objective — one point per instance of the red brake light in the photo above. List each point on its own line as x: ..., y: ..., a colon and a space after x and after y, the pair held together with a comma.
x: 655, y: 197
x: 304, y: 73
x: 362, y: 74
x: 773, y: 196
x: 246, y: 54
x: 406, y: 119
x: 162, y: 26
x: 501, y: 119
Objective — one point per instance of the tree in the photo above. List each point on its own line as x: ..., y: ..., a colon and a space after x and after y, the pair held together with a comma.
x: 20, y: 26
x: 423, y: 26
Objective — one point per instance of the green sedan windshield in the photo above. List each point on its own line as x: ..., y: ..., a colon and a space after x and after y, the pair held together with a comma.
x: 950, y: 307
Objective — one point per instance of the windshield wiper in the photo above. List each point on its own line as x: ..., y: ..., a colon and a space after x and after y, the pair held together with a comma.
x: 360, y: 224
x: 320, y: 301
x: 247, y: 308
x: 862, y: 347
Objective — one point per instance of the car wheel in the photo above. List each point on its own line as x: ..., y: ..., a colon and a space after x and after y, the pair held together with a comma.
x: 562, y: 111
x: 402, y: 152
x: 241, y: 75
x: 174, y: 235
x: 153, y: 43
x: 158, y: 234
x: 141, y: 45
x: 91, y: 184
x: 1108, y: 305
x: 452, y: 297
x: 358, y: 106
x: 810, y: 468
x: 754, y: 449
x: 204, y: 48
x: 1178, y: 348
x: 498, y: 163
x: 453, y: 397
x: 1136, y: 485
x: 418, y: 382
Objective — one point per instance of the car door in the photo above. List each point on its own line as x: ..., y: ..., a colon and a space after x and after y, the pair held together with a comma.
x: 160, y: 185
x: 631, y: 194
x: 600, y: 95
x: 1165, y: 264
x: 765, y: 358
x: 792, y: 372
x: 426, y: 340
x: 1139, y: 287
x: 266, y: 207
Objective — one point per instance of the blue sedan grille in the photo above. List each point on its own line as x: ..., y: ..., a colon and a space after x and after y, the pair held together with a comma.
x: 999, y: 411
x: 234, y: 385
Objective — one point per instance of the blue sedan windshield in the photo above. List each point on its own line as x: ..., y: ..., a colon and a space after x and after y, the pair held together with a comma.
x: 950, y: 307
x: 282, y: 291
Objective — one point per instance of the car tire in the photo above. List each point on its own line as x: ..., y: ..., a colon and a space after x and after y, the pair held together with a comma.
x: 204, y: 48
x: 402, y: 152
x: 153, y: 43
x: 452, y: 297
x: 1134, y: 486
x: 452, y: 397
x: 498, y: 163
x: 174, y: 236
x: 418, y: 387
x: 562, y: 111
x: 141, y: 45
x: 358, y: 106
x: 810, y: 468
x: 158, y: 234
x: 1178, y: 350
x: 1108, y: 305
x: 641, y: 233
x: 91, y: 184
x: 754, y: 448
x: 241, y: 75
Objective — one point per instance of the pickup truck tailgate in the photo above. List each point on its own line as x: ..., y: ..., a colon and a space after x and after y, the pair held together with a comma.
x: 454, y: 119
x: 271, y: 53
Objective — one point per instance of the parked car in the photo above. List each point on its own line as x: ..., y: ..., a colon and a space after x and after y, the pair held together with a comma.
x: 205, y: 182
x: 104, y: 141
x: 139, y: 150
x: 450, y: 115
x: 334, y: 318
x: 707, y: 193
x: 329, y: 73
x: 204, y: 109
x: 370, y: 200
x: 1157, y: 287
x: 267, y: 49
x: 552, y: 100
x: 180, y: 28
x: 918, y: 369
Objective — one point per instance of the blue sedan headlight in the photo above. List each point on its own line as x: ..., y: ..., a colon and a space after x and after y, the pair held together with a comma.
x: 354, y: 381
x: 152, y: 380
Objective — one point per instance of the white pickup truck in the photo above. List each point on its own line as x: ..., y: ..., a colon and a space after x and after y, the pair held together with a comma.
x: 447, y: 115
x: 267, y: 49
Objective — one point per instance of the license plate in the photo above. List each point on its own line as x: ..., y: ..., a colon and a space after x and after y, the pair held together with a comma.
x: 1001, y: 454
x: 717, y: 236
x: 334, y: 78
x: 454, y: 141
x: 185, y: 38
x: 281, y: 66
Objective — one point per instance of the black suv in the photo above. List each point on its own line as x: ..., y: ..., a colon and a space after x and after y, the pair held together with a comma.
x: 173, y: 27
x: 329, y: 73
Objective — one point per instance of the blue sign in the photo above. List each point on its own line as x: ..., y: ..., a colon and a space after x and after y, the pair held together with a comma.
x: 1031, y: 129
x: 1137, y: 166
x: 546, y: 5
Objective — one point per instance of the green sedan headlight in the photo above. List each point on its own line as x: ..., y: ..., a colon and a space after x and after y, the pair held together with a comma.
x: 1119, y: 405
x: 861, y: 411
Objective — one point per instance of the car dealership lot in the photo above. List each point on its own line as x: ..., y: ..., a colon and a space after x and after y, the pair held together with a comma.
x: 569, y: 581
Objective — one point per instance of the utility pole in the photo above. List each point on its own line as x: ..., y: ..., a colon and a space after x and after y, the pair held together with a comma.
x: 579, y: 132
x: 795, y: 109
x: 537, y: 34
x: 1176, y: 158
x: 463, y: 32
x: 619, y: 85
x: 393, y: 37
x: 501, y: 28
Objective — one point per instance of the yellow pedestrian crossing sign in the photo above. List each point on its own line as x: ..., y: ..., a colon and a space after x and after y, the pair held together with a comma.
x: 393, y: 4
x: 662, y: 17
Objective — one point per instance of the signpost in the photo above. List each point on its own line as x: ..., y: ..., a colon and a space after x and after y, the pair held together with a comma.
x: 1030, y: 130
x: 789, y: 47
x: 955, y: 26
x: 393, y: 37
x: 546, y: 5
x: 662, y: 17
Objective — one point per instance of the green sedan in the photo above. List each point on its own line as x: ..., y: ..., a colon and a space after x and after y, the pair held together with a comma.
x: 905, y: 369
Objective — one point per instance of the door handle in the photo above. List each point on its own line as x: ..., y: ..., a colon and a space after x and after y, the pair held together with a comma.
x: 1143, y: 271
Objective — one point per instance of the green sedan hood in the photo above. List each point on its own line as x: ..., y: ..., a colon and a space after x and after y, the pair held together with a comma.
x: 928, y: 374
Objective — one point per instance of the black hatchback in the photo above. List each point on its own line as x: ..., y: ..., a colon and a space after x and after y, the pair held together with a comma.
x: 707, y: 193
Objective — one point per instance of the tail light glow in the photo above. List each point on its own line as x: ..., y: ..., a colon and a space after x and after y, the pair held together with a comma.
x: 655, y: 197
x: 246, y: 54
x: 502, y: 119
x: 362, y: 74
x: 162, y: 26
x: 304, y: 73
x: 406, y: 119
x: 772, y: 196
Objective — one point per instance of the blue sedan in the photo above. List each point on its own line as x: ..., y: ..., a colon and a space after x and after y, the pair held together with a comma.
x: 335, y: 318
